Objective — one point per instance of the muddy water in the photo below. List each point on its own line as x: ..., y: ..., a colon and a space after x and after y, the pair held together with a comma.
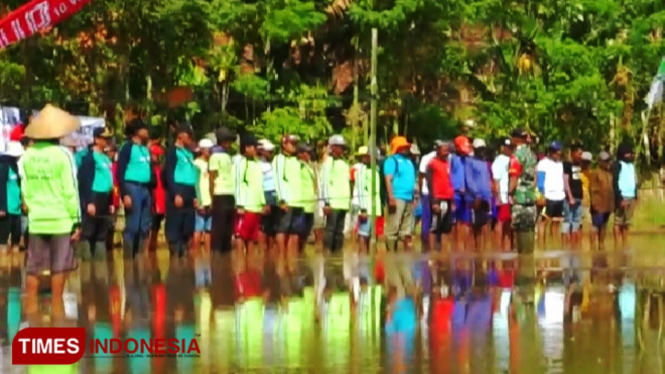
x: 558, y: 311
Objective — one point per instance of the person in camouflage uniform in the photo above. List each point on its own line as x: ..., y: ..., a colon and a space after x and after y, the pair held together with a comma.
x: 523, y: 192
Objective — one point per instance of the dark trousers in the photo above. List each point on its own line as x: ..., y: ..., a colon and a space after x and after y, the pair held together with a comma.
x: 137, y: 218
x: 333, y: 237
x: 223, y: 222
x: 179, y: 225
x: 96, y: 228
x: 10, y: 226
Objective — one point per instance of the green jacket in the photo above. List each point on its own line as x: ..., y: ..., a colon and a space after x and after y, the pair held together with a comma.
x: 50, y: 189
x: 336, y: 183
x: 249, y: 185
x: 288, y: 180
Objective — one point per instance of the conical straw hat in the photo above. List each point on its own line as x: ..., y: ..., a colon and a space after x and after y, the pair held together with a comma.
x: 52, y: 123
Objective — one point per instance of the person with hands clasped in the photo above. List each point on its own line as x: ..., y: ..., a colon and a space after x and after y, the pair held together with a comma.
x: 250, y: 199
x: 288, y: 183
x: 95, y: 180
x: 10, y: 197
x: 51, y: 196
x: 400, y: 178
x: 135, y: 180
x: 335, y: 193
x: 368, y: 204
x: 180, y: 178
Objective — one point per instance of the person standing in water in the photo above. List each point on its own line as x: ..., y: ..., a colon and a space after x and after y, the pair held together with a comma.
x: 95, y: 180
x: 286, y: 168
x: 335, y: 193
x: 368, y: 204
x: 180, y: 179
x: 601, y: 195
x: 625, y: 192
x: 572, y: 207
x: 522, y: 192
x: 158, y: 195
x: 269, y: 220
x: 203, y: 220
x: 135, y: 179
x: 250, y: 199
x: 10, y: 198
x: 400, y: 178
x: 310, y: 193
x: 51, y: 197
x: 220, y: 167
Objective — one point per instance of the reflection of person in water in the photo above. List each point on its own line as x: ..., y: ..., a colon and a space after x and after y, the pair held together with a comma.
x: 96, y: 315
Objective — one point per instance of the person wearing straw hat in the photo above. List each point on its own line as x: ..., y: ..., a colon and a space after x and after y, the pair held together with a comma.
x: 136, y: 181
x: 95, y: 178
x: 335, y: 193
x: 51, y: 196
x: 10, y: 197
x: 180, y: 178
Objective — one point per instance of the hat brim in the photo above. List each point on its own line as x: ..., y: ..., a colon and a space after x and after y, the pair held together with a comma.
x: 52, y: 123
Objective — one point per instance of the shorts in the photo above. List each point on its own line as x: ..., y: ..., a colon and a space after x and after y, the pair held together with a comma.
x: 480, y: 216
x: 600, y: 219
x: 462, y: 212
x: 269, y: 221
x: 364, y: 228
x: 248, y: 226
x: 305, y: 224
x: 503, y: 213
x: 400, y: 220
x: 203, y: 221
x: 553, y: 210
x: 442, y: 222
x: 157, y: 222
x: 54, y: 253
x: 287, y: 220
x: 624, y: 216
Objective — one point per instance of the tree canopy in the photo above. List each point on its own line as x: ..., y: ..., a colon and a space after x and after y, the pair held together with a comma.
x: 573, y: 70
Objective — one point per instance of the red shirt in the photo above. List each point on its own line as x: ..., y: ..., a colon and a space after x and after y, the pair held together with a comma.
x: 17, y: 133
x: 159, y: 194
x: 442, y: 186
x: 515, y: 168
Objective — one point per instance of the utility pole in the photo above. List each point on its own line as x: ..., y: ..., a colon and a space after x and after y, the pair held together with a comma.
x: 372, y: 134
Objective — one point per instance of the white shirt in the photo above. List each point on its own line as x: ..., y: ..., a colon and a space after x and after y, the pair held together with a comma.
x: 553, y: 187
x: 500, y: 168
x: 422, y: 168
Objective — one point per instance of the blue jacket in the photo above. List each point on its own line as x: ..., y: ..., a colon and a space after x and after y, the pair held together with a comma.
x: 458, y: 173
x: 478, y: 179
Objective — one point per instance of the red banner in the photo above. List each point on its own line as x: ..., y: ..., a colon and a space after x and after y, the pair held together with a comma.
x: 36, y: 16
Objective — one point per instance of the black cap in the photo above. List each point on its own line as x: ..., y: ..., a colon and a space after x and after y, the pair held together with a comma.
x: 224, y: 134
x: 248, y: 140
x: 519, y: 133
x: 506, y: 142
x: 303, y: 147
x: 102, y: 132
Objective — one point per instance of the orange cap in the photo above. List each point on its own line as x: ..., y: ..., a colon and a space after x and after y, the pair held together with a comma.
x: 463, y: 145
x: 398, y: 142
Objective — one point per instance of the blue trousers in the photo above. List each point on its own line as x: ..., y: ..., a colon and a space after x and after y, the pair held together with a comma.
x: 138, y: 218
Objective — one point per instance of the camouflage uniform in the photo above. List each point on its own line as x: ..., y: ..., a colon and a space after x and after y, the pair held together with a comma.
x: 524, y: 210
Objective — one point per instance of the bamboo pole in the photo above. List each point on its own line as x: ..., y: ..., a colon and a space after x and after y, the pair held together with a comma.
x: 372, y: 133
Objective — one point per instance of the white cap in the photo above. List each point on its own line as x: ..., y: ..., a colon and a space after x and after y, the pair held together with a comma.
x: 587, y: 156
x: 266, y: 145
x: 479, y: 143
x: 337, y: 140
x: 206, y: 143
x: 14, y: 149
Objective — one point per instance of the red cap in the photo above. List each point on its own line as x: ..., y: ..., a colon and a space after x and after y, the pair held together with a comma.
x: 156, y: 150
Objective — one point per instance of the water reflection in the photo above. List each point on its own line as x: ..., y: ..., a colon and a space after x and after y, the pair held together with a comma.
x: 551, y: 312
